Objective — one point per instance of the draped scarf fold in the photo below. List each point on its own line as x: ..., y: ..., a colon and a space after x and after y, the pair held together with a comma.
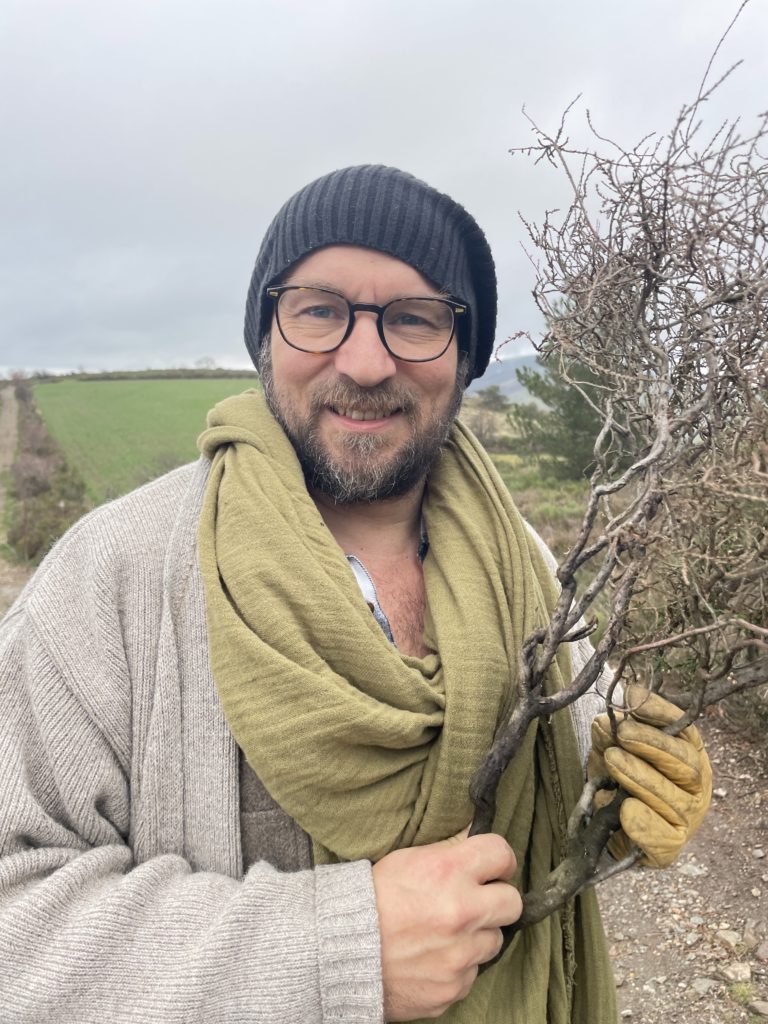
x: 370, y: 750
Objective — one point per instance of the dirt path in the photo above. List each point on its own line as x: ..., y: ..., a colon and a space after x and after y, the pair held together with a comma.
x: 9, y: 413
x: 690, y: 944
x: 12, y: 576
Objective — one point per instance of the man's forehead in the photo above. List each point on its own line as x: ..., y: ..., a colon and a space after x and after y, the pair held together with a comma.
x: 332, y: 266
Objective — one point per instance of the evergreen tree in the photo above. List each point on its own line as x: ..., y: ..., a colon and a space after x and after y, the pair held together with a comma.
x: 560, y: 433
x: 493, y: 399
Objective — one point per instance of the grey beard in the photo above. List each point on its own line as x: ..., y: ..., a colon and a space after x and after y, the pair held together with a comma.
x: 370, y: 478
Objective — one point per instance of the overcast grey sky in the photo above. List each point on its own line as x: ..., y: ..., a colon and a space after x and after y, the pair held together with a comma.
x: 147, y: 145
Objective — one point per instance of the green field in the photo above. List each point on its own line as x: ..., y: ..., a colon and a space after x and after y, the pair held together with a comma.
x: 118, y: 434
x: 554, y: 507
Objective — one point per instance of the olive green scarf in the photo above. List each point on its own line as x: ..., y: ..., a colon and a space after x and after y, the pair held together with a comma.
x: 370, y: 750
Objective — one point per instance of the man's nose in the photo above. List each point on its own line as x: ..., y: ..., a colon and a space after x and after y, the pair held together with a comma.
x: 363, y: 356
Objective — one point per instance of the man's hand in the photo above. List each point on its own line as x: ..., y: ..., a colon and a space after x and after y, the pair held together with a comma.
x: 441, y: 908
x: 669, y: 777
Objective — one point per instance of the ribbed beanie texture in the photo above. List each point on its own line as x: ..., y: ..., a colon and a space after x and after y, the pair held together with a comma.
x: 385, y: 209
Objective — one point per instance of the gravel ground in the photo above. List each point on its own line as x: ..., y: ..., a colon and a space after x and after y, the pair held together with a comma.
x: 690, y: 944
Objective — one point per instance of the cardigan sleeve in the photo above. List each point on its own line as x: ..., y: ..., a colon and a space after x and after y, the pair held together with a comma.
x: 89, y: 932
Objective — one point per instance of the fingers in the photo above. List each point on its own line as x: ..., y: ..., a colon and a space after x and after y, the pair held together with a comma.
x: 682, y: 758
x: 488, y: 862
x: 602, y: 736
x: 441, y: 908
x: 660, y: 840
x: 620, y: 846
x: 652, y: 709
x: 596, y: 768
x: 674, y: 757
x: 488, y: 858
x: 498, y: 904
x: 489, y: 944
x: 649, y: 707
x: 668, y: 801
x: 669, y: 777
x: 643, y: 781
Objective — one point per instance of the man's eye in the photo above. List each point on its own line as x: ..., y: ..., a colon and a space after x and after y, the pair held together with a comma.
x: 412, y: 320
x: 406, y: 321
x: 320, y: 312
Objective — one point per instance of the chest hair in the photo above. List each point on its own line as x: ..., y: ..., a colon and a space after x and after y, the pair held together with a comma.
x: 401, y: 593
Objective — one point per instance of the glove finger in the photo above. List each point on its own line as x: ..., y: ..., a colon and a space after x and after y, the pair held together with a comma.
x: 642, y: 780
x: 652, y: 709
x: 620, y: 846
x: 602, y: 737
x: 679, y: 759
x: 659, y: 840
x: 673, y: 756
x: 596, y: 768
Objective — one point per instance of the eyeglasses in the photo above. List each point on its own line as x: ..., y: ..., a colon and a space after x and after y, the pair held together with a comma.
x: 318, y: 320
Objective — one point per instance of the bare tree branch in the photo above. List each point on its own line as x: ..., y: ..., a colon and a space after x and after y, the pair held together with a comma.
x: 655, y: 279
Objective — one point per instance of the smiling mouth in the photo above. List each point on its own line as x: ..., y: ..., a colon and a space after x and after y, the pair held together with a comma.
x: 361, y: 414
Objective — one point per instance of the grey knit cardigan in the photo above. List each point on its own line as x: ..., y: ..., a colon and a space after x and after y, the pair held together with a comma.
x: 124, y: 892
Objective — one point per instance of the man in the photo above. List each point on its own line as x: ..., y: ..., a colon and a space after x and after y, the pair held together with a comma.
x: 242, y: 705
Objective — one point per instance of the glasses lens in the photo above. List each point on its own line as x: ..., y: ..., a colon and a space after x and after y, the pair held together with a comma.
x: 312, y: 319
x: 418, y: 328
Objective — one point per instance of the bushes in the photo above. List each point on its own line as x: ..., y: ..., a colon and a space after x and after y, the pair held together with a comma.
x: 46, y: 495
x: 748, y: 712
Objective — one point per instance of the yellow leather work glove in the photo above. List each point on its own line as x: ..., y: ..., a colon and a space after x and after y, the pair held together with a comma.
x: 669, y: 778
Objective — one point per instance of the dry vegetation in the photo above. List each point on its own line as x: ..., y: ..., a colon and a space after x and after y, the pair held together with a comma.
x: 47, y: 495
x: 656, y: 280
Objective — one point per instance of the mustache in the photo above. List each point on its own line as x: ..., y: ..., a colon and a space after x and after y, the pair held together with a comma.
x: 380, y: 400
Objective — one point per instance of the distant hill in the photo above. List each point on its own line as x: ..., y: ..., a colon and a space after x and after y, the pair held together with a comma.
x: 502, y: 373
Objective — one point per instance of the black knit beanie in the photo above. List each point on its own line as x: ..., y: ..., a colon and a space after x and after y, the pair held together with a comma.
x: 385, y: 209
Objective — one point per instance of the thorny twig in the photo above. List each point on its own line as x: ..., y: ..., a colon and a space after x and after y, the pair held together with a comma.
x: 656, y: 281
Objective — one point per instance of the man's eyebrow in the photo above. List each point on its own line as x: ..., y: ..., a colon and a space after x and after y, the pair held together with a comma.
x: 315, y: 283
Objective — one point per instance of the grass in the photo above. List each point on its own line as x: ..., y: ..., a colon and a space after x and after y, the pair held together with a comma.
x: 742, y: 992
x: 6, y: 513
x: 118, y: 434
x: 553, y: 507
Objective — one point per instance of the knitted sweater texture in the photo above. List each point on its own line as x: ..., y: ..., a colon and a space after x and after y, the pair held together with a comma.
x: 127, y: 889
x: 122, y: 893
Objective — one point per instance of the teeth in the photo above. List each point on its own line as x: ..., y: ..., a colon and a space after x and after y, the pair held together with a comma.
x: 357, y: 414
